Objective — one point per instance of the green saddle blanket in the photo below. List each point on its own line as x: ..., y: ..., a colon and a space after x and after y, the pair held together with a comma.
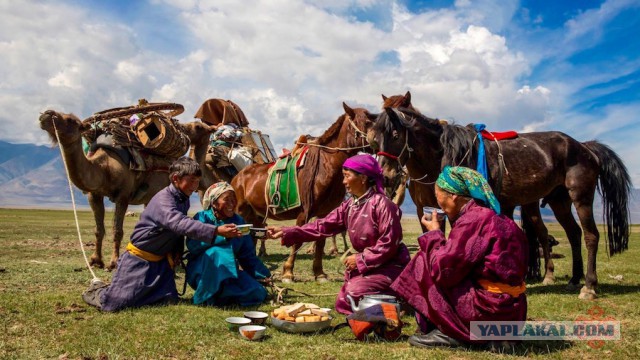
x: 283, y: 185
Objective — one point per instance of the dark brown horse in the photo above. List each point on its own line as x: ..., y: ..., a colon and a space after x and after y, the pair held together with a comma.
x: 422, y: 191
x: 549, y: 165
x: 320, y: 181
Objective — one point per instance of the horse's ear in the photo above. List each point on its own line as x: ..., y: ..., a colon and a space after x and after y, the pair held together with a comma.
x: 348, y: 110
x: 407, y: 99
x: 384, y: 98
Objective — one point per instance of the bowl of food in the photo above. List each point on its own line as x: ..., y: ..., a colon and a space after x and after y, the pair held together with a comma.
x: 244, y: 229
x: 256, y: 317
x: 301, y: 318
x: 235, y: 322
x: 258, y: 233
x: 252, y: 332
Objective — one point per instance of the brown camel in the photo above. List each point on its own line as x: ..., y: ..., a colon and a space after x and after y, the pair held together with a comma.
x: 104, y: 174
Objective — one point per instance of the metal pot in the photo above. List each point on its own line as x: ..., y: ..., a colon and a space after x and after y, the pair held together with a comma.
x: 370, y: 300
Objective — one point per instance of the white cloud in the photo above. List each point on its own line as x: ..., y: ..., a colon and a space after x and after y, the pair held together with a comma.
x: 288, y: 64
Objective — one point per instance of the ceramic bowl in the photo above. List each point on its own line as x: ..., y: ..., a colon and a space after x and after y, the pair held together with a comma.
x: 234, y: 323
x: 252, y: 332
x: 428, y: 210
x: 256, y: 317
x: 244, y: 229
x: 259, y: 233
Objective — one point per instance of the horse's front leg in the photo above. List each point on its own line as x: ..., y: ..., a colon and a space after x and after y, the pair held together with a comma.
x: 118, y: 231
x: 318, y: 272
x: 287, y: 268
x: 97, y: 207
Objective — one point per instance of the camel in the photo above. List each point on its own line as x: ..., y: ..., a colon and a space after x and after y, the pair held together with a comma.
x: 104, y: 174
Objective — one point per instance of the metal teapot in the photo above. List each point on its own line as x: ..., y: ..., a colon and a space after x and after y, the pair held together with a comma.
x: 370, y: 300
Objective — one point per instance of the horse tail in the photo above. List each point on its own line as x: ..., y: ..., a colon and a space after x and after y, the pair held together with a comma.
x: 614, y: 185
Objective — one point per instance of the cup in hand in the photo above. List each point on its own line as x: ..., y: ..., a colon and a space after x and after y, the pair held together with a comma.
x: 428, y: 211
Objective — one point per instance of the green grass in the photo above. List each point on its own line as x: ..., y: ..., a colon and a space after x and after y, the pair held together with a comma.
x: 42, y: 316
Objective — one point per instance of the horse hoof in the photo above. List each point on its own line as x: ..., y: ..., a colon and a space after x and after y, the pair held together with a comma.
x: 287, y: 280
x: 587, y: 294
x: 548, y: 281
x: 572, y: 287
x: 322, y: 279
x: 262, y: 253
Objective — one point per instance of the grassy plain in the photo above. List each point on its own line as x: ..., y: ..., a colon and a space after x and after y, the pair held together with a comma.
x: 42, y: 316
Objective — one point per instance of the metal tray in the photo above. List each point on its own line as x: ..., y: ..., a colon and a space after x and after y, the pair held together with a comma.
x: 297, y: 328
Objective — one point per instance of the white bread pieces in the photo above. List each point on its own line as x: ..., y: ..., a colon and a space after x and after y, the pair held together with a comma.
x: 300, y: 312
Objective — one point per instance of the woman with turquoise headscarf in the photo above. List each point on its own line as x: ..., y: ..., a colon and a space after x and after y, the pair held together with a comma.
x: 476, y: 274
x: 226, y: 271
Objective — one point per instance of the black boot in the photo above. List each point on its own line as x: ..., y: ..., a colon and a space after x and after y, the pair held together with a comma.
x: 434, y: 338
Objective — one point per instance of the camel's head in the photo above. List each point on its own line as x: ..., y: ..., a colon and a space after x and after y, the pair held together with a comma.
x: 197, y: 132
x: 68, y: 126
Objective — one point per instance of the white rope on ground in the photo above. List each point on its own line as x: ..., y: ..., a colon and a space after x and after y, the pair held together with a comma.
x: 73, y: 201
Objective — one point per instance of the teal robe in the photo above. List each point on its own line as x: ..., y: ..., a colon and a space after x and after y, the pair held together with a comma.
x: 213, y: 269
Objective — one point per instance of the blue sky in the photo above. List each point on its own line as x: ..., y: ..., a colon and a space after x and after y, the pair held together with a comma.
x: 533, y: 65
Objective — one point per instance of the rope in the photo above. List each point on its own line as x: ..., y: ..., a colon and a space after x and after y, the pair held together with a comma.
x: 73, y: 200
x: 334, y: 148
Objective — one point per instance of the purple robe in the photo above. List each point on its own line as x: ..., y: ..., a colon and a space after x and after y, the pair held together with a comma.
x: 373, y: 225
x: 160, y: 231
x: 441, y: 281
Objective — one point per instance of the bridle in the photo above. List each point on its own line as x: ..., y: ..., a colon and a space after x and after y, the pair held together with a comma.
x: 398, y: 157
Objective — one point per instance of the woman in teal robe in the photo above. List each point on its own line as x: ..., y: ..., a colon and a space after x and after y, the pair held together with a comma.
x: 225, y: 272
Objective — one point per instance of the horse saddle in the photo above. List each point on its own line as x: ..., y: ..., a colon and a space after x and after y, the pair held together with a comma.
x: 282, y: 184
x: 497, y: 136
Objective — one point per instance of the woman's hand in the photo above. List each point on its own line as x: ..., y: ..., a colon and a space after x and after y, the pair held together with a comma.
x: 229, y: 231
x: 274, y: 232
x: 350, y: 262
x: 430, y: 221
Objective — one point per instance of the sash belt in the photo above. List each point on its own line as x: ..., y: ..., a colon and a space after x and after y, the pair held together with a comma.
x: 500, y: 288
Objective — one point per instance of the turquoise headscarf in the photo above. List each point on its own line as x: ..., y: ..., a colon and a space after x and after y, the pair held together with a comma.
x: 468, y: 182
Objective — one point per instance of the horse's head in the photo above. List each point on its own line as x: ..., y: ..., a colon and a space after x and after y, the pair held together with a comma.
x: 389, y: 138
x: 358, y: 122
x: 397, y: 101
x: 68, y: 126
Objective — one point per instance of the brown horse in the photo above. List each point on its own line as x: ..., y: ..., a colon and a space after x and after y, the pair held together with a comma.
x: 549, y: 165
x: 320, y: 181
x: 422, y: 192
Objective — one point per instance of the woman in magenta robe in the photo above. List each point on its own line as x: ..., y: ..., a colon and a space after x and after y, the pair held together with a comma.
x: 477, y: 274
x: 373, y: 224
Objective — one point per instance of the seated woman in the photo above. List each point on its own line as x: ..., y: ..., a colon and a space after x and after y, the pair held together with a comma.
x: 475, y: 275
x: 373, y: 224
x: 213, y: 269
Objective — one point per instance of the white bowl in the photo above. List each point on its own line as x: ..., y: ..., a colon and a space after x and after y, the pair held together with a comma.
x: 244, y: 229
x: 256, y: 317
x: 234, y: 323
x: 252, y: 332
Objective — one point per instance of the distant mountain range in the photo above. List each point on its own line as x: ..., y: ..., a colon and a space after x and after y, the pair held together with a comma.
x: 33, y: 176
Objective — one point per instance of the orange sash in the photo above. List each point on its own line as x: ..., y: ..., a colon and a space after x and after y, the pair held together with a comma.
x: 500, y: 288
x: 145, y: 255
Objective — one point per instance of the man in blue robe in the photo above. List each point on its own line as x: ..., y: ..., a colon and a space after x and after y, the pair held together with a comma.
x: 145, y: 272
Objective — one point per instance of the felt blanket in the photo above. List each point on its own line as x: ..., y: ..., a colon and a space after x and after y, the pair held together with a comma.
x: 282, y: 184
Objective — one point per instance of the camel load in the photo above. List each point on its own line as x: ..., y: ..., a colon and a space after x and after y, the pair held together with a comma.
x: 149, y: 127
x: 233, y: 145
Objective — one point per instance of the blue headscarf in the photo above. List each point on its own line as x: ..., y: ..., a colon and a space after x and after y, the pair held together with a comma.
x: 468, y: 182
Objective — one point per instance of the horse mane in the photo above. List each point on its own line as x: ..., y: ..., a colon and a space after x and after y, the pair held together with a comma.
x: 312, y: 163
x: 332, y: 131
x: 458, y: 144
